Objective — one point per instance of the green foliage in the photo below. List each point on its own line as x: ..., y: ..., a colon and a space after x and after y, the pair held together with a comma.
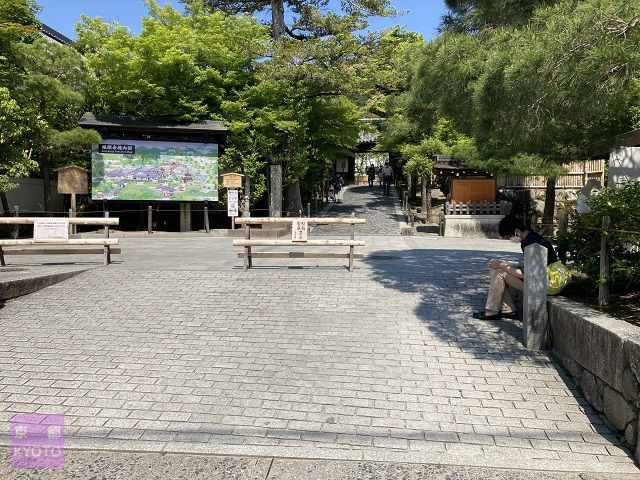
x: 14, y: 161
x: 583, y: 240
x: 420, y: 157
x: 180, y: 66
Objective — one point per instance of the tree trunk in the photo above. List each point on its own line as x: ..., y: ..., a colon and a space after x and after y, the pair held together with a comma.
x: 294, y: 199
x: 277, y: 19
x: 246, y: 197
x: 423, y: 195
x: 45, y: 165
x: 549, y: 204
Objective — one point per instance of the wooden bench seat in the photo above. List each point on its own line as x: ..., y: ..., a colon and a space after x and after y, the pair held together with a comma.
x: 247, y: 243
x: 43, y: 248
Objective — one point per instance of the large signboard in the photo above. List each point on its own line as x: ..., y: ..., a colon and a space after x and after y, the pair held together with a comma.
x: 624, y: 166
x: 154, y: 170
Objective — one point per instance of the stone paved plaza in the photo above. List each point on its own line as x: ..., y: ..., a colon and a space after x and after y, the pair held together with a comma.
x: 176, y: 349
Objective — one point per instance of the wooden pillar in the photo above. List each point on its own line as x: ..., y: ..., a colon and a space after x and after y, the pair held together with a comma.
x: 535, y: 316
x: 107, y: 248
x: 149, y: 219
x: 185, y: 217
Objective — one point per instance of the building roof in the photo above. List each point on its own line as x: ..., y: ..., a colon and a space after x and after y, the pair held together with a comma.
x: 629, y: 139
x: 133, y: 124
x: 54, y: 35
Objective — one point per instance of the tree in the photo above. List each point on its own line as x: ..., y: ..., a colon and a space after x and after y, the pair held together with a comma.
x: 18, y: 23
x: 180, y: 67
x: 55, y: 81
x: 551, y: 84
x: 317, y: 53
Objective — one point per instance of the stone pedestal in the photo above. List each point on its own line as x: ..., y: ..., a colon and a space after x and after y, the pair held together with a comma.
x: 275, y: 193
x: 185, y: 217
x: 534, y: 310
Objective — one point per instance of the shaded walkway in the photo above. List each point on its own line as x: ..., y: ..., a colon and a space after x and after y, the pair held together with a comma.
x: 380, y: 211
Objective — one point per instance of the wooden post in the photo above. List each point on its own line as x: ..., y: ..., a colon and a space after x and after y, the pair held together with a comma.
x: 2, y: 262
x: 107, y: 248
x: 16, y: 230
x: 149, y: 219
x: 351, y: 248
x: 247, y: 250
x: 535, y: 316
x: 605, y: 260
x: 309, y: 210
x: 206, y: 219
x: 563, y: 227
x: 70, y: 225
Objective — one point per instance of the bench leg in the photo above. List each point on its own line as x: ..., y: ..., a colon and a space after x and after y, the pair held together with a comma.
x: 245, y: 259
x: 107, y: 254
x: 351, y: 259
x: 2, y: 262
x: 250, y: 258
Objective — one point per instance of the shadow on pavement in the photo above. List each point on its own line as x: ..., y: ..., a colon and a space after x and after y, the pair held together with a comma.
x: 452, y: 284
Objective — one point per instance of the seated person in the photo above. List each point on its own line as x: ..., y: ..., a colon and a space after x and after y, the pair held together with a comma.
x: 499, y: 301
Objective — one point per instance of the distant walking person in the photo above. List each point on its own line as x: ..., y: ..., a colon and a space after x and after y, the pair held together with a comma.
x: 387, y: 176
x: 338, y: 188
x: 371, y: 174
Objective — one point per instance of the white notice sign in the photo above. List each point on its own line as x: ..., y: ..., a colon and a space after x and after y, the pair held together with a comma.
x: 232, y: 203
x: 51, y: 230
x: 299, y: 230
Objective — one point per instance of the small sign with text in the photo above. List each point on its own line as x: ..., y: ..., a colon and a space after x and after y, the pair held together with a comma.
x: 232, y: 203
x: 299, y: 230
x: 51, y: 230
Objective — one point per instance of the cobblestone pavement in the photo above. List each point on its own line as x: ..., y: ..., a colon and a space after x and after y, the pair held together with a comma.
x: 382, y: 213
x: 183, y: 352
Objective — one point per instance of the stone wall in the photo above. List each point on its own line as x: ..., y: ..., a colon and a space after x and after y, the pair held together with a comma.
x: 472, y: 226
x: 602, y: 355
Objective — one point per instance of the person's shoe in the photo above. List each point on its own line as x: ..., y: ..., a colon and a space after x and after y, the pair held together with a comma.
x: 508, y: 314
x: 482, y: 315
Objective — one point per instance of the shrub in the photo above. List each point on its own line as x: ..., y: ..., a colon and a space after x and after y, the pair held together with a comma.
x: 582, y: 241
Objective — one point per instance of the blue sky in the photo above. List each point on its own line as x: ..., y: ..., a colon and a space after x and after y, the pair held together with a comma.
x: 62, y: 15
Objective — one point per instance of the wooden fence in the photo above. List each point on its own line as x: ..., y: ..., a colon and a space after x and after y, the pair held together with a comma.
x: 475, y: 208
x: 578, y: 173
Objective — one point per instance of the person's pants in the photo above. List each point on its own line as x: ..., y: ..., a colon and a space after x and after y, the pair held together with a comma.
x: 387, y: 186
x: 499, y: 297
x: 371, y: 179
x: 340, y: 195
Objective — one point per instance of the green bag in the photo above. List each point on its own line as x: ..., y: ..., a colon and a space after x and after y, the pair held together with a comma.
x: 559, y: 277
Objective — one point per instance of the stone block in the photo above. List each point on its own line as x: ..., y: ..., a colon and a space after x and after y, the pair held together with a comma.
x: 630, y: 388
x: 617, y: 409
x: 574, y: 368
x: 631, y: 434
x: 632, y: 354
x: 534, y: 308
x: 594, y: 340
x: 472, y: 226
x: 592, y: 390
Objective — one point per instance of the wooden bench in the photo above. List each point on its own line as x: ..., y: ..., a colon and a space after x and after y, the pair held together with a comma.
x: 41, y: 248
x: 247, y: 243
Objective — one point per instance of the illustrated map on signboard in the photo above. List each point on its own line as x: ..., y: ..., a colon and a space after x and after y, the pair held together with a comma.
x: 154, y: 170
